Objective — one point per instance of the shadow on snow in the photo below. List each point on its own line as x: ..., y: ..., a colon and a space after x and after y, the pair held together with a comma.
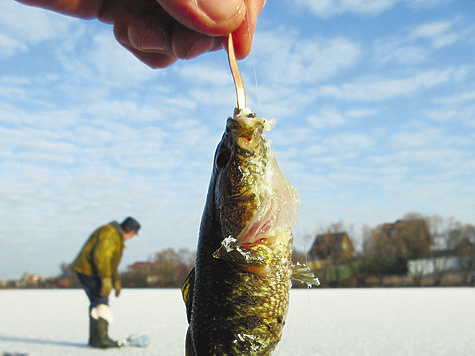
x: 42, y: 342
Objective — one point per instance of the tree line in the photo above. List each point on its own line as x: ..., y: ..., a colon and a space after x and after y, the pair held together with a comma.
x: 166, y: 269
x: 413, y: 251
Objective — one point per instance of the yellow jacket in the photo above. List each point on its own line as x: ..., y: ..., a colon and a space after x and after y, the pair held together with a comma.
x: 101, y: 254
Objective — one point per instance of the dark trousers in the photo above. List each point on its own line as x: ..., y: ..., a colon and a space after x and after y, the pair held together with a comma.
x: 92, y: 286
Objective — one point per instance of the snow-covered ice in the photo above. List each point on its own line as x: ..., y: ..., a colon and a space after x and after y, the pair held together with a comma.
x: 429, y: 321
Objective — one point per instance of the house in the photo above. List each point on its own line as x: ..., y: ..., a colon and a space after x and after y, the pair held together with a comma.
x: 31, y: 279
x: 408, y: 238
x: 335, y: 246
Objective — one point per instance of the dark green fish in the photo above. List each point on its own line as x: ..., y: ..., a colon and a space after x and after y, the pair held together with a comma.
x: 237, y: 295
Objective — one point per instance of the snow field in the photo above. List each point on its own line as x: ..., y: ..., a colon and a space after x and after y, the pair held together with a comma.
x: 428, y: 321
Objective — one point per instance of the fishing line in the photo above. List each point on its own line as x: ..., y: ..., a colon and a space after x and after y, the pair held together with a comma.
x: 307, y: 315
x: 252, y: 64
x: 299, y: 226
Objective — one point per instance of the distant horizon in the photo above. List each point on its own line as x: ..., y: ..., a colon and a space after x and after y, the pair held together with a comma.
x: 445, y: 225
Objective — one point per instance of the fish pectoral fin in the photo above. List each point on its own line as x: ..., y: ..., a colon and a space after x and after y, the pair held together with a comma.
x: 187, y: 292
x: 304, y: 274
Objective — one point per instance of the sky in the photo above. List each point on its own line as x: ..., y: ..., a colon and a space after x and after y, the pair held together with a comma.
x: 374, y: 102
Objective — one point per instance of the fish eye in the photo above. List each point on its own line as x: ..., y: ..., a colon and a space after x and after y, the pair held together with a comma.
x: 223, y: 158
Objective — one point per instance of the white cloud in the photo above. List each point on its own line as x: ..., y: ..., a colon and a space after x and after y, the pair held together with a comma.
x: 357, y: 113
x: 9, y: 46
x: 105, y: 62
x: 446, y: 159
x: 431, y: 30
x: 315, y: 150
x: 437, y: 32
x: 10, y: 92
x: 455, y: 114
x: 205, y: 98
x: 396, y: 171
x: 328, y: 117
x: 204, y: 75
x: 416, y: 44
x: 15, y: 80
x: 279, y: 102
x: 44, y: 157
x: 396, y: 50
x: 375, y: 89
x: 421, y: 4
x: 349, y: 143
x: 416, y: 138
x: 445, y: 40
x: 32, y: 24
x: 441, y: 115
x: 328, y: 8
x: 290, y: 137
x: 285, y: 58
x: 457, y: 98
x: 127, y: 111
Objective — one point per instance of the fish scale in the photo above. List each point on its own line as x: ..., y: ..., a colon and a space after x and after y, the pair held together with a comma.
x: 237, y: 295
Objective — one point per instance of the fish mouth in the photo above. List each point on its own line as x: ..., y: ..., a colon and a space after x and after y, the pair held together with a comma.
x: 260, y: 230
x: 246, y: 128
x: 274, y: 212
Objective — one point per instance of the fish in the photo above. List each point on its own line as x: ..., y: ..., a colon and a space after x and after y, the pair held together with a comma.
x: 237, y: 294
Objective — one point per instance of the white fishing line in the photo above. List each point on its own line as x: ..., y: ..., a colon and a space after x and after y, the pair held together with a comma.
x: 302, y: 241
x: 259, y: 105
x: 300, y: 236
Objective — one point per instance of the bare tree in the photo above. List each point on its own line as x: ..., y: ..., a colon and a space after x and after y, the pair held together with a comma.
x: 463, y: 238
x: 378, y: 250
x: 439, y: 228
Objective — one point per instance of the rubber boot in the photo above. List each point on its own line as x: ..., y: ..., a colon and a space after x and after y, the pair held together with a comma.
x: 92, y: 331
x: 98, y: 334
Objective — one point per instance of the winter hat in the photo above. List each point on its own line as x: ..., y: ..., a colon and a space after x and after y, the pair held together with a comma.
x: 130, y: 224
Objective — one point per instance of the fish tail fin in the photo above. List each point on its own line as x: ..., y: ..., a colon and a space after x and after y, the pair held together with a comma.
x: 302, y: 273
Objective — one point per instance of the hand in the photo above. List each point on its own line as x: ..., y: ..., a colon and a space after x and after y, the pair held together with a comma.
x: 158, y: 32
x: 117, y: 287
x: 106, y: 287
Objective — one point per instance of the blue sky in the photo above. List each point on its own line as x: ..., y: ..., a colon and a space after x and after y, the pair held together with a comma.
x: 374, y: 102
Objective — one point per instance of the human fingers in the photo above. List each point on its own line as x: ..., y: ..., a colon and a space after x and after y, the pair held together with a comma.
x: 211, y: 17
x: 187, y: 44
x: 146, y: 36
x: 244, y: 35
x: 158, y: 40
x: 118, y: 289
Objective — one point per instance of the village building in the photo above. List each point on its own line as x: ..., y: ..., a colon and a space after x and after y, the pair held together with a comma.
x: 408, y: 238
x: 332, y: 246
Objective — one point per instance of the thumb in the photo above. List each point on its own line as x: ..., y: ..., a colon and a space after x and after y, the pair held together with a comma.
x: 211, y: 17
x: 244, y: 35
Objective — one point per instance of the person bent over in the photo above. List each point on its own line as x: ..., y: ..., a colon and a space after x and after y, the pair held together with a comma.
x: 96, y: 267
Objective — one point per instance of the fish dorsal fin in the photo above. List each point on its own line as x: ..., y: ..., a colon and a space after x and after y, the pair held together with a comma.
x: 302, y: 273
x: 187, y: 292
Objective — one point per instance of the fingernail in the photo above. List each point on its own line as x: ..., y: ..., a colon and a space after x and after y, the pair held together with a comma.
x: 155, y: 39
x: 122, y: 35
x: 219, y: 10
